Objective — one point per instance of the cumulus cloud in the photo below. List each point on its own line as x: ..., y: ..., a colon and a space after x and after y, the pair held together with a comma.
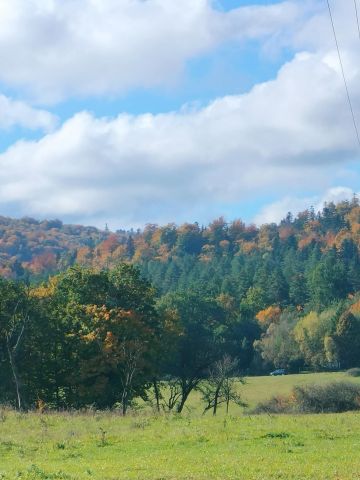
x: 59, y: 49
x: 293, y: 133
x: 276, y: 211
x: 283, y: 135
x: 16, y: 113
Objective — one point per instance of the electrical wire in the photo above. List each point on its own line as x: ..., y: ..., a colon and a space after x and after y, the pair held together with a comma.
x: 343, y: 72
x: 357, y: 16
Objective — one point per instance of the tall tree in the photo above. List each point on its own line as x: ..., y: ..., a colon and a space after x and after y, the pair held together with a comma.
x: 15, y: 307
x: 198, y: 344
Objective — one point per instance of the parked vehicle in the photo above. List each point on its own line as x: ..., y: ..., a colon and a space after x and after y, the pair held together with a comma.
x: 279, y: 371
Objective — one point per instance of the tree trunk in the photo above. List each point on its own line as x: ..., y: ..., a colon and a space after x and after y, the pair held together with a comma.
x: 216, y: 400
x: 184, y: 396
x: 124, y: 402
x: 157, y: 394
x: 15, y: 376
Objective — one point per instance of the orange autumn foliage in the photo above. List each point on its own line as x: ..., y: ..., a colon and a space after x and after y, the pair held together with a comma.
x: 269, y: 315
x: 355, y: 308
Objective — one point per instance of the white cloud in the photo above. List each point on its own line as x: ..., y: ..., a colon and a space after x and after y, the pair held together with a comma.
x: 276, y: 211
x: 16, y: 113
x: 56, y: 49
x: 335, y: 195
x: 286, y: 134
x: 291, y: 134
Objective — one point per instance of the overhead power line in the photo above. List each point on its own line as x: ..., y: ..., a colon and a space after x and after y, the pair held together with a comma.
x: 343, y: 71
x: 357, y: 16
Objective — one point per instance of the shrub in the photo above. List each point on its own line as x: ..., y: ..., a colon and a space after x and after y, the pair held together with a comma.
x: 334, y: 397
x: 354, y: 372
x: 274, y: 405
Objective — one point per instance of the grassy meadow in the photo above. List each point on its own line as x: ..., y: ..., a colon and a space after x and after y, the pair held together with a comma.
x: 105, y: 446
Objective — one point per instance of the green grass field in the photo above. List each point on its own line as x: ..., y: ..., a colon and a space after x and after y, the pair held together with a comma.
x: 104, y: 446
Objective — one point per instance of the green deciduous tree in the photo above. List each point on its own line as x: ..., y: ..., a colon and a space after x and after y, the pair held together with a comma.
x: 347, y: 339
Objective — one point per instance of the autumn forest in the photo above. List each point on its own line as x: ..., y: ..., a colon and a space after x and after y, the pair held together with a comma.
x: 93, y: 317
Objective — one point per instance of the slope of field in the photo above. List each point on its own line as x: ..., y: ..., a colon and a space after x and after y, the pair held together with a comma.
x: 104, y: 446
x: 260, y: 389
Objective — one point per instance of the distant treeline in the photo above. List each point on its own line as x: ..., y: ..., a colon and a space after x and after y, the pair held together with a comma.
x: 313, y: 258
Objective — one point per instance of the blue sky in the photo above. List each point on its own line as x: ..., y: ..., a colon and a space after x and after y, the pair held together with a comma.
x: 174, y: 111
x: 229, y: 70
x: 227, y: 5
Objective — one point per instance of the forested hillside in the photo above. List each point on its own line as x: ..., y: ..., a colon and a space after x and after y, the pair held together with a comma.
x: 201, y: 303
x: 311, y: 259
x: 32, y: 248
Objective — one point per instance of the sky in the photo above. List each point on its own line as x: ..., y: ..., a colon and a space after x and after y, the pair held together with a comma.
x: 128, y: 112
